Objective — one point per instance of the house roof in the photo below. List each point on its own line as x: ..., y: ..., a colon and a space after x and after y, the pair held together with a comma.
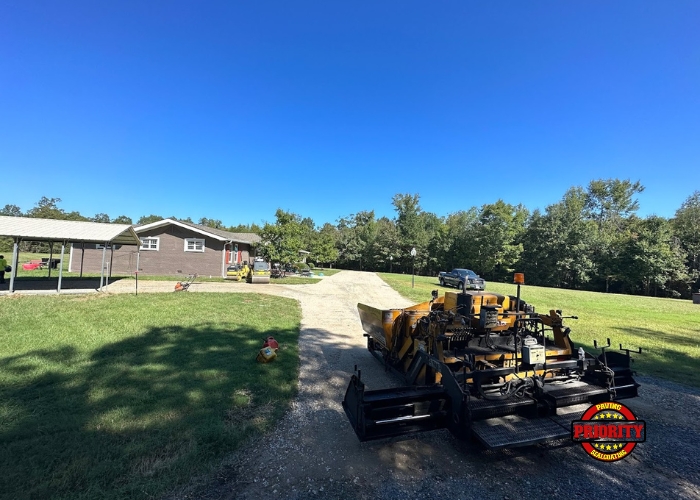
x: 217, y: 234
x: 72, y: 231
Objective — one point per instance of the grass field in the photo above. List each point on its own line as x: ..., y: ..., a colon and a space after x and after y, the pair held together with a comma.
x: 127, y: 397
x: 668, y: 330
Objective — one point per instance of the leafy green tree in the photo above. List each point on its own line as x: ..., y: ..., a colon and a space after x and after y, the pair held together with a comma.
x: 610, y: 203
x: 281, y: 241
x: 415, y: 229
x: 385, y: 246
x: 558, y: 246
x: 245, y: 228
x: 453, y: 243
x: 612, y: 200
x: 147, y: 219
x: 498, y: 238
x: 11, y: 211
x: 355, y: 243
x: 686, y: 225
x: 47, y: 208
x: 651, y: 258
x: 104, y: 218
x: 122, y: 219
x: 213, y: 223
x: 322, y: 248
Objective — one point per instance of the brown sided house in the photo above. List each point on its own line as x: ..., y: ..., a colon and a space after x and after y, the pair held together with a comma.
x: 169, y: 247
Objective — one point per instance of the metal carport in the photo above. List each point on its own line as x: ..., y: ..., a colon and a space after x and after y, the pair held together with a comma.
x: 64, y: 232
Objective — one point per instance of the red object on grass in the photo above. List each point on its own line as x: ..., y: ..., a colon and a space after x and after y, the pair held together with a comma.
x: 271, y: 342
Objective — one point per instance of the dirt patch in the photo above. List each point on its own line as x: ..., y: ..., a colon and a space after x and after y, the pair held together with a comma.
x: 314, y: 452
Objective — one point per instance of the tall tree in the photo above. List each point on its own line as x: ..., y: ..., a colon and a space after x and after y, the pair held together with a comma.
x: 612, y: 200
x: 323, y: 250
x: 281, y: 241
x: 213, y: 223
x: 147, y: 219
x: 411, y: 226
x: 651, y: 258
x: 356, y: 235
x: 11, y: 211
x: 122, y: 219
x: 686, y: 226
x: 454, y: 243
x: 104, y: 218
x: 557, y: 246
x: 385, y: 246
x: 498, y: 238
x: 610, y: 203
x: 47, y: 208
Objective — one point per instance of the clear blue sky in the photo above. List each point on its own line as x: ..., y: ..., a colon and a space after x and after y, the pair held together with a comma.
x: 229, y: 110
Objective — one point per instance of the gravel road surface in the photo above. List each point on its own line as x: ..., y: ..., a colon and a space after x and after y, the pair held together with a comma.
x: 314, y: 452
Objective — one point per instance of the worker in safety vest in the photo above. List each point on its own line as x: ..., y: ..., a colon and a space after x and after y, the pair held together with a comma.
x: 3, y: 265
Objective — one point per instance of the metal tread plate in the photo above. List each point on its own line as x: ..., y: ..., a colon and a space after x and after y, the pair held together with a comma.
x: 574, y: 393
x: 512, y: 431
x: 568, y: 414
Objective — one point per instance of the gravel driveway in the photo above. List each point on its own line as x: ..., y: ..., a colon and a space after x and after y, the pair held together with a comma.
x: 314, y: 452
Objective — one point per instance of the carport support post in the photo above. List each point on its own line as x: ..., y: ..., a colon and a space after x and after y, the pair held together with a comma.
x: 138, y: 258
x: 60, y: 269
x: 102, y: 269
x: 13, y: 273
x: 111, y: 260
x: 82, y: 257
x: 50, y: 257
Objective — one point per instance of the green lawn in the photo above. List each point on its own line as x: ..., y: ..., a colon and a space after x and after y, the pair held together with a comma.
x: 668, y: 330
x: 127, y: 397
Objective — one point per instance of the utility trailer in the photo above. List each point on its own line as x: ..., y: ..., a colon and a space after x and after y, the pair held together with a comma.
x: 484, y: 366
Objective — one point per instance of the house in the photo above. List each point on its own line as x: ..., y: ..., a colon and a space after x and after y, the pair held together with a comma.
x: 169, y: 247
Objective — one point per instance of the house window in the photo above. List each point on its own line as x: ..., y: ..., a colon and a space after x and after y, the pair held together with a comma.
x: 233, y: 254
x: 194, y: 245
x: 150, y: 243
x: 100, y: 247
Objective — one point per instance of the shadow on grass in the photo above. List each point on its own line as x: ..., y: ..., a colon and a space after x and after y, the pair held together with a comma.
x: 137, y: 416
x: 664, y: 354
x: 413, y: 466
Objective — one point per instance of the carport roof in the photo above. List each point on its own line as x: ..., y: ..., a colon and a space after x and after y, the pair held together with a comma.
x: 30, y: 229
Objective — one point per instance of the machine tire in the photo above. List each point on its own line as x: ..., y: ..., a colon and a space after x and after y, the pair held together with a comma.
x: 460, y: 285
x: 442, y: 282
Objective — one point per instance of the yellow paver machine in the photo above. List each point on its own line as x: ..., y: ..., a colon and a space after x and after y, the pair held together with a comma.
x: 485, y: 366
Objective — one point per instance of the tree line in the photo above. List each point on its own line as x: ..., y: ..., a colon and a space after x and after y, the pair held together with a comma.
x: 592, y: 239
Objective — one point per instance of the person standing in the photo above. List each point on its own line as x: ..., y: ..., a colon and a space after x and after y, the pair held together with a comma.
x: 3, y: 265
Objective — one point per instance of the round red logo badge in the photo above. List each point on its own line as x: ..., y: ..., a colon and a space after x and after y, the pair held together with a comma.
x: 608, y: 431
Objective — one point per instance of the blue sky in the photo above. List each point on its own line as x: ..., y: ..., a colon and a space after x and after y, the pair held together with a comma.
x: 230, y: 110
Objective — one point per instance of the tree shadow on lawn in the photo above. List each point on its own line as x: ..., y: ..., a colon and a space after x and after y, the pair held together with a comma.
x: 136, y: 416
x: 663, y: 355
x: 413, y: 466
